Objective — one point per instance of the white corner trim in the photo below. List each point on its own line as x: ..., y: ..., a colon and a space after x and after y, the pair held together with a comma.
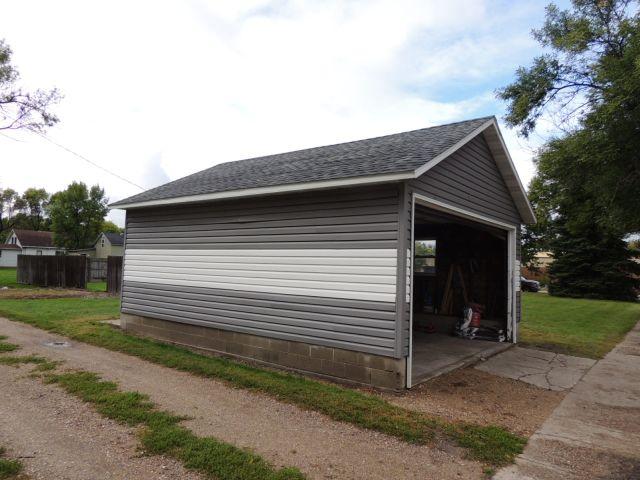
x: 251, y: 192
x: 409, y: 374
x: 433, y: 162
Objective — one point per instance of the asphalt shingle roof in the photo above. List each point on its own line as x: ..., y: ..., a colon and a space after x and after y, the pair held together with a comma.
x: 116, y: 239
x: 34, y: 238
x: 398, y: 153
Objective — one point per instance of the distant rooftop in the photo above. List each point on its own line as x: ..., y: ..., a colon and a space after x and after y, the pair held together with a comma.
x: 34, y: 238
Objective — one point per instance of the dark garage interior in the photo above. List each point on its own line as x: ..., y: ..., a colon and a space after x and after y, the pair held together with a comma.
x: 458, y: 263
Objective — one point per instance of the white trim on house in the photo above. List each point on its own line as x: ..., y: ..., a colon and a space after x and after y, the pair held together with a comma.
x: 409, y: 373
x: 252, y: 192
x: 494, y: 139
x: 512, y: 277
x: 461, y: 212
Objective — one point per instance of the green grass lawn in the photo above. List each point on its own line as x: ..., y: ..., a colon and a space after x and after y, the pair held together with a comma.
x: 97, y: 286
x: 586, y: 328
x: 8, y: 278
x: 78, y: 318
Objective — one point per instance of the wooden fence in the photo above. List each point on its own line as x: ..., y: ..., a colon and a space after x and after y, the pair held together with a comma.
x: 96, y: 269
x: 52, y: 270
x: 114, y: 275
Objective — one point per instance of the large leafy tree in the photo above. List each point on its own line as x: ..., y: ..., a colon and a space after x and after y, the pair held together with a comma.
x: 20, y: 108
x: 588, y: 83
x: 592, y: 260
x: 8, y: 199
x: 35, y: 203
x: 26, y: 211
x: 535, y: 238
x: 109, y: 227
x: 77, y: 215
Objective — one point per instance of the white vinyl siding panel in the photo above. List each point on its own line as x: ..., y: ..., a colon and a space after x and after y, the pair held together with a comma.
x: 243, y: 274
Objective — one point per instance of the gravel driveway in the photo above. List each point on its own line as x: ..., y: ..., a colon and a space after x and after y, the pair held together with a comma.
x: 283, y: 434
x: 59, y: 437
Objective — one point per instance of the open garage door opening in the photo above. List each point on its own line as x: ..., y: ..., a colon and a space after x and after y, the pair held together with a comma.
x: 461, y: 291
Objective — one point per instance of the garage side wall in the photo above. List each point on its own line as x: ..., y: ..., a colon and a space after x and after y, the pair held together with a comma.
x: 313, y: 272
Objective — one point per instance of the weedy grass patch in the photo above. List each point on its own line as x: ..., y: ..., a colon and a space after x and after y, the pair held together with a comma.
x: 79, y: 319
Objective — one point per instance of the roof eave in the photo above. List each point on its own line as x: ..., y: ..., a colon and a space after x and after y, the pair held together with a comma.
x: 492, y: 134
x: 252, y: 192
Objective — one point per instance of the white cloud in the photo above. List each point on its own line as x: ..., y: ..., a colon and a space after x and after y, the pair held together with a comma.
x: 157, y: 90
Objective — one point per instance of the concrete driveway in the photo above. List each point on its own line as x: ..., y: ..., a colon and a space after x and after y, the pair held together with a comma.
x: 552, y: 371
x: 595, y: 432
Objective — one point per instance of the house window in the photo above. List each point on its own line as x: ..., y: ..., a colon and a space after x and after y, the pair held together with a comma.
x: 102, y: 243
x: 38, y: 252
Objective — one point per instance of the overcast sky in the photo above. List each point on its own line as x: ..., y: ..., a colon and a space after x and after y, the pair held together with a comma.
x: 158, y: 90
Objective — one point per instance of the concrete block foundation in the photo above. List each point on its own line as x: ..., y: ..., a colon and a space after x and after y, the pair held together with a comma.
x: 335, y: 363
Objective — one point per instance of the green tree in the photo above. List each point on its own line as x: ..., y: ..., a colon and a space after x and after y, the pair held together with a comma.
x: 592, y: 260
x: 109, y: 227
x: 588, y: 82
x: 535, y: 238
x: 20, y: 108
x: 592, y: 263
x: 35, y: 203
x: 77, y: 215
x: 8, y: 208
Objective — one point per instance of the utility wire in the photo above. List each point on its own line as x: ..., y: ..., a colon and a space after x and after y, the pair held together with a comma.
x: 87, y: 160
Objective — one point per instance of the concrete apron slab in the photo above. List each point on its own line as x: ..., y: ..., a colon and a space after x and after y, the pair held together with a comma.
x: 595, y: 431
x: 552, y: 371
x: 436, y: 354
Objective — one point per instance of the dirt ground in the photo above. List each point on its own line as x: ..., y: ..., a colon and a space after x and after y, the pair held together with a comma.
x: 283, y: 434
x: 474, y: 396
x: 57, y: 436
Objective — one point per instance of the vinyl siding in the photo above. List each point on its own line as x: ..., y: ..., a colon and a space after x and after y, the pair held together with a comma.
x: 319, y: 267
x: 470, y: 179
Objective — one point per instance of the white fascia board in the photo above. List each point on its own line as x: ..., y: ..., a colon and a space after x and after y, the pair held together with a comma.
x: 251, y: 192
x: 461, y: 212
x: 517, y: 190
x: 531, y: 214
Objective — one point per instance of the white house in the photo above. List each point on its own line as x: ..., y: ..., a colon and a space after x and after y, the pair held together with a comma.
x: 9, y: 255
x: 28, y: 242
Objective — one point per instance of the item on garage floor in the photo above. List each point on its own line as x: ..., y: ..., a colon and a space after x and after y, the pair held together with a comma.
x: 469, y: 326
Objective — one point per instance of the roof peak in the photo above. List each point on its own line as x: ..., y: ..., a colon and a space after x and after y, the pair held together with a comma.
x: 348, y: 142
x: 388, y: 155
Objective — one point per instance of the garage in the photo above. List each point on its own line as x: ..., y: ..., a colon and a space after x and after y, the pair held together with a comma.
x: 353, y: 262
x: 459, y: 263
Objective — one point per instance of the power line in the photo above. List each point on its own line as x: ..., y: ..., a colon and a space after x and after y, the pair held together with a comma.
x: 82, y: 157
